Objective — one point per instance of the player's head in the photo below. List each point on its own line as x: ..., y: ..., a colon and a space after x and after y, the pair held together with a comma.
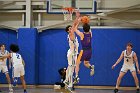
x: 86, y: 27
x: 2, y: 47
x: 14, y: 48
x: 129, y: 46
x: 68, y: 28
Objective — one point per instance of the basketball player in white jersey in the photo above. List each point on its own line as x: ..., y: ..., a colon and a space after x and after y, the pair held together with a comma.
x: 3, y: 65
x: 18, y: 65
x: 130, y: 60
x: 72, y: 53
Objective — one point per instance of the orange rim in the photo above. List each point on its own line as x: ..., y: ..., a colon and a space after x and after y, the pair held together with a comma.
x: 69, y: 9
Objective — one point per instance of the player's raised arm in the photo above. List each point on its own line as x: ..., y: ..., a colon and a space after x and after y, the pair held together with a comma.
x: 75, y: 22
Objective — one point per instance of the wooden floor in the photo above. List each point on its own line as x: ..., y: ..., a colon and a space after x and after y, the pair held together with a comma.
x: 50, y: 90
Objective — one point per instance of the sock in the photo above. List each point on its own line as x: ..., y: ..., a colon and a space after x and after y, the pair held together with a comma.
x: 116, y: 87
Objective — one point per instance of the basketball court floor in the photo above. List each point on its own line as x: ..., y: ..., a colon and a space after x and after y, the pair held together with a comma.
x: 77, y: 90
x: 46, y: 90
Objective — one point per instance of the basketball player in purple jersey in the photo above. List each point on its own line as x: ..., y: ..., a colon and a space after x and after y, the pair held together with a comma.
x: 86, y: 51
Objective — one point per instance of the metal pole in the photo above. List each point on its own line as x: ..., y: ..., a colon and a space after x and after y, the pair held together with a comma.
x: 28, y: 14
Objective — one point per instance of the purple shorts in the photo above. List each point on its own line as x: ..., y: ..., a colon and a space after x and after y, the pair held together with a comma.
x: 86, y: 56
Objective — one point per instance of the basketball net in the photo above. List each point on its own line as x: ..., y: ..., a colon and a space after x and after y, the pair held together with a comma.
x: 67, y: 12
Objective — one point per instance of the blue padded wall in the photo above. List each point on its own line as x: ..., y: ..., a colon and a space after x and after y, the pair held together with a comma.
x: 107, y: 47
x: 46, y: 52
x: 27, y: 41
x: 7, y: 37
x: 53, y: 48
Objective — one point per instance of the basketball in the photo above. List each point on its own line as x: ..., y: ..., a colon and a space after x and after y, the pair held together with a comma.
x: 85, y: 19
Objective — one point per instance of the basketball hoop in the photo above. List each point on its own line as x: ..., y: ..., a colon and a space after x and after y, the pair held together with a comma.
x: 68, y: 11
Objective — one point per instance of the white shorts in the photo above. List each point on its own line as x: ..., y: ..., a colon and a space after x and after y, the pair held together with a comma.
x: 4, y: 69
x: 18, y: 71
x: 71, y: 58
x: 125, y: 68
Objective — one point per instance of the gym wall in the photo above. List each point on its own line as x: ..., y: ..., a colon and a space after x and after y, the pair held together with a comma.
x: 46, y: 52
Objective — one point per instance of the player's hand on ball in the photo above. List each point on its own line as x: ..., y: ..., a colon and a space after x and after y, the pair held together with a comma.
x: 79, y: 19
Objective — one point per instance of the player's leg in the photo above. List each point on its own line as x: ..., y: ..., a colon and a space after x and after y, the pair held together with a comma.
x: 88, y: 54
x: 135, y: 79
x: 71, y: 71
x: 9, y: 82
x: 70, y: 87
x: 15, y: 75
x: 22, y: 73
x: 78, y: 62
x: 5, y: 70
x: 69, y: 58
x: 119, y: 81
x: 91, y: 67
x: 66, y: 81
x: 23, y: 83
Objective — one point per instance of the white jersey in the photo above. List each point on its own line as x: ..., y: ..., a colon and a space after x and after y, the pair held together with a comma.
x: 128, y: 59
x: 5, y: 53
x: 16, y: 59
x: 73, y: 44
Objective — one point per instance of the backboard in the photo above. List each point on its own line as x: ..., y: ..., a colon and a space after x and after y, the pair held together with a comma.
x: 84, y: 6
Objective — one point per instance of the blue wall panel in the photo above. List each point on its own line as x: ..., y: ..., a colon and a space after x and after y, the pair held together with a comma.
x: 107, y: 47
x: 53, y: 49
x: 45, y: 54
x: 27, y: 41
x: 7, y: 37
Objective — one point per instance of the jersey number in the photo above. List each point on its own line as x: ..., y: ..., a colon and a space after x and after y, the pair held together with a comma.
x: 17, y: 56
x: 127, y: 60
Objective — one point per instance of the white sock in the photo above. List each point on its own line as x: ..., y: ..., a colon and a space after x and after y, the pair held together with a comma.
x: 117, y: 87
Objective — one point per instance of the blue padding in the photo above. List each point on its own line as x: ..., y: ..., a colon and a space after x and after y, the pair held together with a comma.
x: 7, y: 37
x: 27, y: 40
x: 107, y: 47
x: 53, y: 48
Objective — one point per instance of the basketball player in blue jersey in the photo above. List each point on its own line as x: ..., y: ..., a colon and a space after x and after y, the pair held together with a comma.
x: 3, y: 65
x: 130, y: 59
x: 72, y: 53
x: 86, y: 51
x: 18, y: 65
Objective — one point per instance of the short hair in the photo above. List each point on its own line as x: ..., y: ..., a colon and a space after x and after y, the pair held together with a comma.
x: 2, y: 44
x: 67, y: 28
x: 130, y: 44
x: 86, y: 27
x: 14, y: 48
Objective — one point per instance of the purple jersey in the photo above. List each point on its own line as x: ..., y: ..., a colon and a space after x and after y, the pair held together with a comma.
x: 86, y: 42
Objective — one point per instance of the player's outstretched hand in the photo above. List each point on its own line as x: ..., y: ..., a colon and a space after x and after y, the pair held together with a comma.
x: 113, y: 66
